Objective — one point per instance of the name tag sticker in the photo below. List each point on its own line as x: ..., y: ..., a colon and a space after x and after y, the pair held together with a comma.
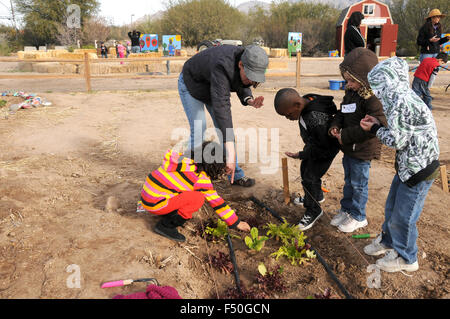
x: 348, y: 108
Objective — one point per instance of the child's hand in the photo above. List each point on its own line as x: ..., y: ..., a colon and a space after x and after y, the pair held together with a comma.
x: 293, y: 155
x: 367, y: 122
x: 243, y: 226
x: 334, y: 131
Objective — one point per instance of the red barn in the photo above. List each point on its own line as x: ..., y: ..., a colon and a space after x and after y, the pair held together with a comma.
x: 377, y: 27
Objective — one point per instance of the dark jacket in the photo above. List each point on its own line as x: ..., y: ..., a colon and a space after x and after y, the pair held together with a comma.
x: 210, y: 77
x: 135, y: 38
x: 314, y: 123
x: 423, y: 40
x: 352, y: 40
x: 356, y: 142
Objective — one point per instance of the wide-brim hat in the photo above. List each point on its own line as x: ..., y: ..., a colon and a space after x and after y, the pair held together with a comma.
x: 435, y: 13
x: 255, y: 61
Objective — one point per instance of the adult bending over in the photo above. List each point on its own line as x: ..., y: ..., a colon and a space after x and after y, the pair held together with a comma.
x: 207, y: 79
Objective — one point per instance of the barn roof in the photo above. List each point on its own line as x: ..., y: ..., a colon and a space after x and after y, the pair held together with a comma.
x: 344, y: 12
x: 342, y: 16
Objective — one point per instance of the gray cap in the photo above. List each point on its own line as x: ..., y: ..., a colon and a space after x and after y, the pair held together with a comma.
x: 255, y: 62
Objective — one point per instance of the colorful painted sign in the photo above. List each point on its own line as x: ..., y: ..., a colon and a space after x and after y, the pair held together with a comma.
x: 446, y: 45
x: 333, y: 54
x: 149, y: 42
x: 295, y: 42
x: 171, y: 45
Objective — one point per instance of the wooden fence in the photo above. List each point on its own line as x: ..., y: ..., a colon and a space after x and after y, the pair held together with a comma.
x: 88, y: 76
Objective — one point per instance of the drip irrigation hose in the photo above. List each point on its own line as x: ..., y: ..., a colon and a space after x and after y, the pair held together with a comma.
x: 261, y: 204
x: 235, y: 268
x: 319, y: 257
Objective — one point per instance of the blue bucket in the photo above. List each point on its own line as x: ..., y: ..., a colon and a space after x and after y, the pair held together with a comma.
x: 335, y: 84
x: 342, y: 85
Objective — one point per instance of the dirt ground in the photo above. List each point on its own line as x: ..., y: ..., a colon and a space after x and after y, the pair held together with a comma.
x: 60, y: 164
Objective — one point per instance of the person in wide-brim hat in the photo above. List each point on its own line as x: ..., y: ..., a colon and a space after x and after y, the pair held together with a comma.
x: 435, y: 13
x: 430, y: 36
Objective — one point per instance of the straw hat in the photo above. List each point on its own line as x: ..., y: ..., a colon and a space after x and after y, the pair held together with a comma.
x: 435, y: 13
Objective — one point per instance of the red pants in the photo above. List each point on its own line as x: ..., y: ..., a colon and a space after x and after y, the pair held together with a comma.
x: 187, y: 203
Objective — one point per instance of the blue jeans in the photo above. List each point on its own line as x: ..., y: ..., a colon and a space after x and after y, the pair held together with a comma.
x: 403, y: 208
x: 195, y: 112
x: 356, y: 187
x: 420, y: 87
x: 427, y: 55
x: 136, y: 49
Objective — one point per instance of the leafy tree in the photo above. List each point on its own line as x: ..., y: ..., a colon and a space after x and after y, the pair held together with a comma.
x: 317, y: 22
x: 45, y: 19
x: 410, y: 16
x: 198, y: 20
x: 10, y: 39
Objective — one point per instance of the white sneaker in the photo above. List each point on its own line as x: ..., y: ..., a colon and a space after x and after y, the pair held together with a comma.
x: 376, y: 247
x: 392, y: 262
x: 339, y: 218
x: 349, y: 225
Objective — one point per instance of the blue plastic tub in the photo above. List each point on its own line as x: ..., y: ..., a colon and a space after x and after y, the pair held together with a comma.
x: 335, y: 84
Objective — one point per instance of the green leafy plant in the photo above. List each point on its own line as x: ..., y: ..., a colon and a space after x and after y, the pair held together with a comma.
x: 297, y: 252
x: 254, y: 241
x: 284, y: 232
x: 220, y: 232
x: 3, y: 103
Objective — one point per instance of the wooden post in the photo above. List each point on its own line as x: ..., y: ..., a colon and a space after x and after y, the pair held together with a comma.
x: 87, y: 72
x: 444, y: 179
x: 287, y: 194
x: 299, y: 58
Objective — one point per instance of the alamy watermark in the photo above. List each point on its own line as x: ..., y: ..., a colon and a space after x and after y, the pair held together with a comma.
x: 263, y: 144
x: 374, y: 280
x: 73, y: 281
x: 73, y: 16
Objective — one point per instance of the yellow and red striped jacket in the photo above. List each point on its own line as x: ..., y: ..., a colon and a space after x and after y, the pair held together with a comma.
x: 179, y: 174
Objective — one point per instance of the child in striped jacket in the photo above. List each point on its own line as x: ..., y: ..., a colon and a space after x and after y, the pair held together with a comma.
x: 179, y: 187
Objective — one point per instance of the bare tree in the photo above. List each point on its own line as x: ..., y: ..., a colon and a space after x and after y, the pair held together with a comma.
x: 96, y: 28
x: 67, y: 36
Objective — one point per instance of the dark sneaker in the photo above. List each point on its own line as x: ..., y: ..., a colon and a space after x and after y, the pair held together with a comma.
x: 308, y: 220
x: 245, y: 182
x: 299, y: 201
x: 171, y: 233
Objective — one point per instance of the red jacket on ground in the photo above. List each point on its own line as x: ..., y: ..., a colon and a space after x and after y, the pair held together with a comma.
x: 426, y: 68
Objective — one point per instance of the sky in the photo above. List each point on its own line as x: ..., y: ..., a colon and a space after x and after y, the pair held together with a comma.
x: 121, y: 11
x: 121, y: 14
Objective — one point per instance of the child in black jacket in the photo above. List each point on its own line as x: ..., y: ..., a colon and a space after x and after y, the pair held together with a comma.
x: 314, y: 114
